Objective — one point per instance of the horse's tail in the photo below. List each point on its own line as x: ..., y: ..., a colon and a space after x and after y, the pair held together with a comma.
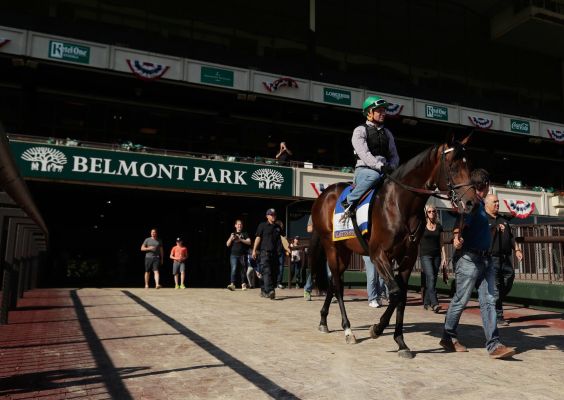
x: 317, y: 260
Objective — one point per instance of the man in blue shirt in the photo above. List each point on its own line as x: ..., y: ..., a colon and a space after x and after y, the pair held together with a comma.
x: 474, y: 269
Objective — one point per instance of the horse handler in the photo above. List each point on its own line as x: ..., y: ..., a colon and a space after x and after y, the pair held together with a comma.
x: 475, y: 269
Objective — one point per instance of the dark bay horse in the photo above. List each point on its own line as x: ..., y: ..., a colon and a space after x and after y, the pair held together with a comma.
x: 397, y: 224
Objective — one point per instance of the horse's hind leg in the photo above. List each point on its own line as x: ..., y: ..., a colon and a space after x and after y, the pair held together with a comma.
x: 325, y: 309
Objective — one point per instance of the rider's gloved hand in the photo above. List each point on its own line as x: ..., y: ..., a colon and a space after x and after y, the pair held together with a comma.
x: 387, y: 169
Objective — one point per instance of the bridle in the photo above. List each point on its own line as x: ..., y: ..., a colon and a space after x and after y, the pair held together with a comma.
x: 449, y: 194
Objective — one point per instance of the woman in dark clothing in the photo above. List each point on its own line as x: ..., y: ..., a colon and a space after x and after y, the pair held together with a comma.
x: 433, y: 256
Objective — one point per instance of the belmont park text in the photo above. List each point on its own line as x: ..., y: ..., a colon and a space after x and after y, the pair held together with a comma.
x: 106, y: 166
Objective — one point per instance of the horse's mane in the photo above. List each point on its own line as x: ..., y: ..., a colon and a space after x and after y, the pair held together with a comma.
x: 415, y: 162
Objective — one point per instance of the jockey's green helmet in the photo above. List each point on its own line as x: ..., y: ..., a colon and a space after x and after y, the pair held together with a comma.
x: 373, y: 102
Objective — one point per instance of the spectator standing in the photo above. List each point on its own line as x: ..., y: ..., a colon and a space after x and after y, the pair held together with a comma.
x: 284, y: 154
x: 267, y: 247
x: 179, y: 255
x: 474, y: 269
x: 375, y: 287
x: 503, y: 243
x: 433, y: 256
x: 284, y: 252
x: 239, y: 242
x: 153, y: 248
x: 296, y: 261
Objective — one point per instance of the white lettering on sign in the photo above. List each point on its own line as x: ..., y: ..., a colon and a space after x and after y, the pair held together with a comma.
x: 107, y: 166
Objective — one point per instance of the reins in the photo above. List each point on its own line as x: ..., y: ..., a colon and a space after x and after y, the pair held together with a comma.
x: 449, y: 194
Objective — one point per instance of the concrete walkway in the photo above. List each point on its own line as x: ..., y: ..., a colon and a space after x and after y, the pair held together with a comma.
x: 217, y: 344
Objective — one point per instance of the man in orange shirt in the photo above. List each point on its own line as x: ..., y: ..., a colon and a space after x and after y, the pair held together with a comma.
x: 179, y: 254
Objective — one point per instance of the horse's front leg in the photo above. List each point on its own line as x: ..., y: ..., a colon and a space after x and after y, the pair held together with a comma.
x: 345, y: 324
x: 394, y: 299
x: 403, y: 350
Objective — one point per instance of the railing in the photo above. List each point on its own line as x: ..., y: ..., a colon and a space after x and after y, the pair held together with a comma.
x: 131, y: 147
x: 543, y: 253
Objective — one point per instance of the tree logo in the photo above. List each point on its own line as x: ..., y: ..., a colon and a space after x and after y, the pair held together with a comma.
x: 45, y: 159
x: 268, y: 178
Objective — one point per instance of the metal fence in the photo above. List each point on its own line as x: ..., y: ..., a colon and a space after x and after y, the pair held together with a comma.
x: 541, y: 261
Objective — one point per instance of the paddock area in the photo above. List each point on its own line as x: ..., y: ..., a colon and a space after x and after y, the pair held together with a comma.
x: 131, y: 343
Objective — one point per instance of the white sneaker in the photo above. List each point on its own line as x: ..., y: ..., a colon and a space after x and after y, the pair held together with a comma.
x: 374, y: 304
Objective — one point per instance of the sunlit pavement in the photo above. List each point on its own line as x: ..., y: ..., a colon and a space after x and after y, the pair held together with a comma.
x: 213, y: 343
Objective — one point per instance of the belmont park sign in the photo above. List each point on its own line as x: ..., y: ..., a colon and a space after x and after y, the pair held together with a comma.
x: 78, y: 164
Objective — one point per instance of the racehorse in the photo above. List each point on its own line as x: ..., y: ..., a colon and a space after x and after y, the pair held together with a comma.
x: 397, y: 224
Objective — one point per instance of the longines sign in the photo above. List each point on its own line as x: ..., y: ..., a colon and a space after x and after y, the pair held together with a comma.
x: 139, y: 169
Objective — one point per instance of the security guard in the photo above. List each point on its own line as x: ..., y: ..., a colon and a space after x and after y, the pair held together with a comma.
x: 503, y: 243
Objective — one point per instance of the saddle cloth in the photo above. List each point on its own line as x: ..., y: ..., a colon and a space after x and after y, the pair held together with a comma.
x: 343, y: 230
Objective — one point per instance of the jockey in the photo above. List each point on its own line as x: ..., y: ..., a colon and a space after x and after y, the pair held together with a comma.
x: 375, y: 150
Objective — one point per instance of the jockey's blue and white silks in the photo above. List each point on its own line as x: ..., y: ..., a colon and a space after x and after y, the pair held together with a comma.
x: 344, y: 229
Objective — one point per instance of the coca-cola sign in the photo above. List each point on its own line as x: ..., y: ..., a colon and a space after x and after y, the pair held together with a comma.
x: 520, y: 126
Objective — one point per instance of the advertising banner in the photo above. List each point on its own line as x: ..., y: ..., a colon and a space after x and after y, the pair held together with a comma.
x: 12, y: 41
x: 337, y: 95
x: 280, y: 85
x: 311, y: 183
x: 439, y: 112
x: 76, y: 164
x: 519, y: 125
x: 216, y: 75
x: 147, y: 66
x: 67, y: 50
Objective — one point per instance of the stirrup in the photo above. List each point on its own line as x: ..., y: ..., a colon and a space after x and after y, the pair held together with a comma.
x: 348, y: 212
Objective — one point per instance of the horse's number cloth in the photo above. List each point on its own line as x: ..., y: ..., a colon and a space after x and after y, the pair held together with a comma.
x: 343, y: 230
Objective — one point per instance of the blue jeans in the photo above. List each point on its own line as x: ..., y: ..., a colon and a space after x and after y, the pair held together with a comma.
x: 375, y: 286
x: 296, y: 271
x: 364, y: 179
x: 309, y: 282
x: 281, y: 259
x: 234, y: 261
x: 474, y: 271
x: 430, y: 266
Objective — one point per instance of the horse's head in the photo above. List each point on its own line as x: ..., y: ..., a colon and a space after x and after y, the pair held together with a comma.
x: 454, y: 175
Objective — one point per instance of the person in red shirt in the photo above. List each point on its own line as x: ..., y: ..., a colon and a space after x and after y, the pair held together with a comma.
x: 179, y: 254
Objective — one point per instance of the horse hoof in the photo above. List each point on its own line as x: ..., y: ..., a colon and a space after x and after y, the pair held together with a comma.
x: 374, y: 332
x: 323, y: 329
x: 350, y: 339
x: 405, y: 354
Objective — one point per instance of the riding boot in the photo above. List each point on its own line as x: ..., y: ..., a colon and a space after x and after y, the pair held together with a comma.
x: 348, y: 207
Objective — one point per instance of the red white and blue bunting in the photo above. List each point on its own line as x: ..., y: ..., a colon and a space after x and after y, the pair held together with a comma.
x: 481, y: 123
x: 146, y: 70
x: 393, y: 110
x: 519, y: 208
x: 4, y: 41
x: 318, y: 187
x: 280, y: 82
x: 556, y: 135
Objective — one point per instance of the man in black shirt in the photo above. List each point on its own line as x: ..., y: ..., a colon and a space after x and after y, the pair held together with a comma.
x: 503, y: 242
x: 268, y: 245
